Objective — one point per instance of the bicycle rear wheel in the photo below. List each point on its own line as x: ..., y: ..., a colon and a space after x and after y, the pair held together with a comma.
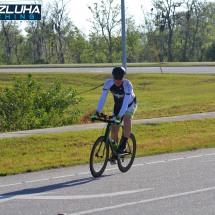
x: 126, y: 160
x: 99, y: 157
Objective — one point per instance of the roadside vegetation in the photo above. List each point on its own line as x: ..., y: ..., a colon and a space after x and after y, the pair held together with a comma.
x: 38, y: 152
x: 26, y: 106
x: 182, y: 32
x: 158, y: 95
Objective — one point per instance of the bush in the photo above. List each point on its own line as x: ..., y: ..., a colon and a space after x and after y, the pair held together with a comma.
x: 26, y: 106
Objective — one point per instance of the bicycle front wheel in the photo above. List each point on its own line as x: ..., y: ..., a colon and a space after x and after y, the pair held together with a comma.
x: 99, y: 157
x: 126, y: 160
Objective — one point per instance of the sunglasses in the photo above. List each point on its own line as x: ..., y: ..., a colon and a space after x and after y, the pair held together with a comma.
x: 118, y: 78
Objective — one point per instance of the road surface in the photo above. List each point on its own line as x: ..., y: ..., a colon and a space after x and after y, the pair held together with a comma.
x: 178, y: 183
x: 177, y: 70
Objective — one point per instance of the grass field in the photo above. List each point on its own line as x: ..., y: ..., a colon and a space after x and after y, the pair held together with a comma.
x: 158, y: 95
x: 33, y: 153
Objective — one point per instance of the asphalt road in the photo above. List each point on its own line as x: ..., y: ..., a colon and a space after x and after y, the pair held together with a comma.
x: 182, y: 70
x: 179, y: 183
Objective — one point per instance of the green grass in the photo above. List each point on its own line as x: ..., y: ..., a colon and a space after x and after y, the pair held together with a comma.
x: 158, y: 95
x: 111, y: 64
x: 33, y: 153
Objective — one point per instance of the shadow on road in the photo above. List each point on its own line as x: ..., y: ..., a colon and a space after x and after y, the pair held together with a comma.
x: 48, y: 188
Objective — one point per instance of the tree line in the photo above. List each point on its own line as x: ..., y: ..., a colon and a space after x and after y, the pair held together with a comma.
x: 182, y: 31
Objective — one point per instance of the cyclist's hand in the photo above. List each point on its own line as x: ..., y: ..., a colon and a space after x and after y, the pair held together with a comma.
x: 117, y: 119
x: 95, y: 116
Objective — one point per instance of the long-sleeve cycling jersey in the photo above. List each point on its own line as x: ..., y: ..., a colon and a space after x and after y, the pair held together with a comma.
x: 123, y: 95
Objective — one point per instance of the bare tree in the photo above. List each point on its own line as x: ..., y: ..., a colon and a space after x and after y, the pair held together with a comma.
x: 197, y: 13
x: 106, y: 19
x: 39, y: 33
x: 191, y: 20
x: 167, y: 15
x: 8, y: 37
x: 61, y: 25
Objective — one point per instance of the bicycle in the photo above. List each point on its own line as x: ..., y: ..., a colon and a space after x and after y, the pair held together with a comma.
x: 100, y: 152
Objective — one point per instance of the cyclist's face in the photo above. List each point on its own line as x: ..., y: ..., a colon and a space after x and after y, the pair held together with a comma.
x: 118, y: 81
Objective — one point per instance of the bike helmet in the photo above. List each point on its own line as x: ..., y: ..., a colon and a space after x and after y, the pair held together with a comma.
x: 118, y: 71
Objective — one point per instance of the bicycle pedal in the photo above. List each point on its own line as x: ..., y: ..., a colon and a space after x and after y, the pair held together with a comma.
x: 112, y: 162
x: 123, y: 154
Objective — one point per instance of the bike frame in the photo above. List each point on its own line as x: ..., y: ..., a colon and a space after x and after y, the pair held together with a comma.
x: 101, y: 149
x: 107, y: 134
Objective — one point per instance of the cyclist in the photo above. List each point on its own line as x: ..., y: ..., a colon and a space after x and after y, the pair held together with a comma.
x: 124, y: 107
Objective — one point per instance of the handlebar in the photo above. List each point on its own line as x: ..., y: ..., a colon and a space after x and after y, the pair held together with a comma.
x: 105, y: 118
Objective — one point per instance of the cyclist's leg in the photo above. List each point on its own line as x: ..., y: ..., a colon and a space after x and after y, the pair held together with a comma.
x: 115, y: 129
x: 129, y: 114
x: 127, y: 126
x: 114, y: 134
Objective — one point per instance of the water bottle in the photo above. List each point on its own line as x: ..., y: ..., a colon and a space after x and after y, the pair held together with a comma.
x: 114, y: 145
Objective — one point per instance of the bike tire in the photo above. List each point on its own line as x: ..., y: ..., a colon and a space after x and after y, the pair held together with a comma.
x: 125, y: 163
x: 99, y: 157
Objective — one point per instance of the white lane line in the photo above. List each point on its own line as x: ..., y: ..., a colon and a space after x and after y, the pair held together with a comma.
x: 134, y: 165
x: 63, y: 176
x: 43, y: 179
x: 175, y: 159
x: 144, y: 201
x: 36, y: 197
x: 7, y: 185
x: 5, y: 198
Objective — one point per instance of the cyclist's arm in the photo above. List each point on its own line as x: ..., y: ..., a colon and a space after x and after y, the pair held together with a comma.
x: 102, y: 100
x: 103, y: 97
